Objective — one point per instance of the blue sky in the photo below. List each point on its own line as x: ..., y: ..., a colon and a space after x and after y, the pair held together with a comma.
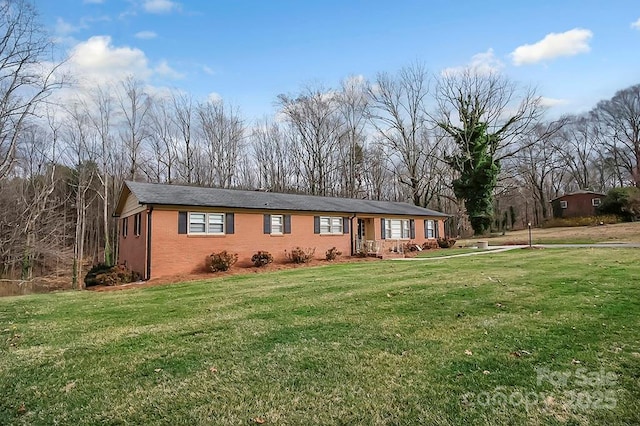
x: 575, y: 52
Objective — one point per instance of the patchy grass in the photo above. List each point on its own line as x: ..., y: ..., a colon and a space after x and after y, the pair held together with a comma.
x: 615, y: 233
x: 456, y: 341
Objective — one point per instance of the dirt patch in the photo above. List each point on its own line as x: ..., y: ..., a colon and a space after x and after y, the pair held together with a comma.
x: 236, y: 270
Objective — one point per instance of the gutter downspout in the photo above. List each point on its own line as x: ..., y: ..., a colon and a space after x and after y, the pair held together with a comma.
x: 149, y: 242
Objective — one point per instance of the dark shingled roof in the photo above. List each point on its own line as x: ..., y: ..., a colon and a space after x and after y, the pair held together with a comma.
x: 177, y: 195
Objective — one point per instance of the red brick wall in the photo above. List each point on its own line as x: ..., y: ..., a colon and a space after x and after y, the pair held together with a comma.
x: 132, y: 249
x: 173, y: 253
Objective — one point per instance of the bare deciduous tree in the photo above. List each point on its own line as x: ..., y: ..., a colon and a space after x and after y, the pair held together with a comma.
x: 316, y: 130
x: 621, y: 117
x: 26, y: 73
x: 398, y: 113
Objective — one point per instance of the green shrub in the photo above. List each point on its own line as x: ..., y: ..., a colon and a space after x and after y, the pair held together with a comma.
x: 262, y: 258
x: 624, y: 202
x: 110, y: 275
x: 332, y: 253
x: 90, y: 278
x: 446, y: 242
x: 300, y: 255
x: 221, y: 261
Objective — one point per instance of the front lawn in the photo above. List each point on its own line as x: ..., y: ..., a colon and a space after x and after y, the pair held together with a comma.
x: 519, y: 337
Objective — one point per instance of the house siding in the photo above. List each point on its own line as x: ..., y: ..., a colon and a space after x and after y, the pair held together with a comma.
x: 175, y: 253
x: 578, y: 205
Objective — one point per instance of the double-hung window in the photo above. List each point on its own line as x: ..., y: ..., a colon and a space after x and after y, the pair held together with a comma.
x: 330, y: 225
x: 277, y: 224
x: 125, y: 226
x: 137, y: 224
x: 397, y: 228
x: 206, y: 223
x: 563, y: 204
x: 430, y: 229
x: 595, y: 202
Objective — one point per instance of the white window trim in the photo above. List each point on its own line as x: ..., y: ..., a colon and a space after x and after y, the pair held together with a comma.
x: 388, y: 229
x: 333, y: 229
x: 563, y: 204
x: 206, y: 223
x: 595, y: 202
x: 281, y: 224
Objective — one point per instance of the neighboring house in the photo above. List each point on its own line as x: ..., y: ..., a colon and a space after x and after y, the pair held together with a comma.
x: 170, y: 229
x: 577, y: 204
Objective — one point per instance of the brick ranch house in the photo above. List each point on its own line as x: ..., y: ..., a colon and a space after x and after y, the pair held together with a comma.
x: 577, y: 204
x: 170, y: 229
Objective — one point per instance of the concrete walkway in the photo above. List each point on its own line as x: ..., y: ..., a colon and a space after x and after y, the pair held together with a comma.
x: 499, y: 249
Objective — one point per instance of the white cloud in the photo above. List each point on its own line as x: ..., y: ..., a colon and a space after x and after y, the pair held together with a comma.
x: 163, y: 69
x: 551, y: 102
x: 481, y: 63
x: 636, y: 25
x: 146, y: 35
x: 64, y: 28
x: 214, y: 97
x: 97, y: 60
x: 208, y: 70
x: 160, y: 6
x: 553, y: 45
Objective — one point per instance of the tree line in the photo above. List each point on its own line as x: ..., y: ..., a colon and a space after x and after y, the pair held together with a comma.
x: 468, y: 142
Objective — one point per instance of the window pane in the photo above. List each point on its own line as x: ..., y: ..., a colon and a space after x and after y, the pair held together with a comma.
x: 396, y: 228
x: 336, y: 225
x: 430, y: 229
x: 197, y: 222
x: 216, y: 223
x: 276, y: 224
x: 325, y: 225
x: 405, y: 229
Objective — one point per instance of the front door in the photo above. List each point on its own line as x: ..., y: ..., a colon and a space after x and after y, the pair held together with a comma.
x: 361, y: 229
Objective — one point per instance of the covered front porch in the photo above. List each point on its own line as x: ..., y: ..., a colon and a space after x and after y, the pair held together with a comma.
x: 368, y: 241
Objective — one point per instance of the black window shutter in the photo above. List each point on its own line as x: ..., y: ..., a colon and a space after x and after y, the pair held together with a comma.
x: 316, y: 224
x: 230, y: 225
x: 412, y: 228
x: 426, y: 228
x: 436, y: 231
x: 345, y: 225
x: 267, y: 224
x: 382, y: 235
x: 182, y: 222
x: 287, y: 223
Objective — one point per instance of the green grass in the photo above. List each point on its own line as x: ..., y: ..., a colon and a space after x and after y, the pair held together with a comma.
x: 363, y: 343
x: 446, y: 252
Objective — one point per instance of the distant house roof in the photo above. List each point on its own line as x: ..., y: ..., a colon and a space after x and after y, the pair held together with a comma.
x: 178, y: 195
x: 578, y: 192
